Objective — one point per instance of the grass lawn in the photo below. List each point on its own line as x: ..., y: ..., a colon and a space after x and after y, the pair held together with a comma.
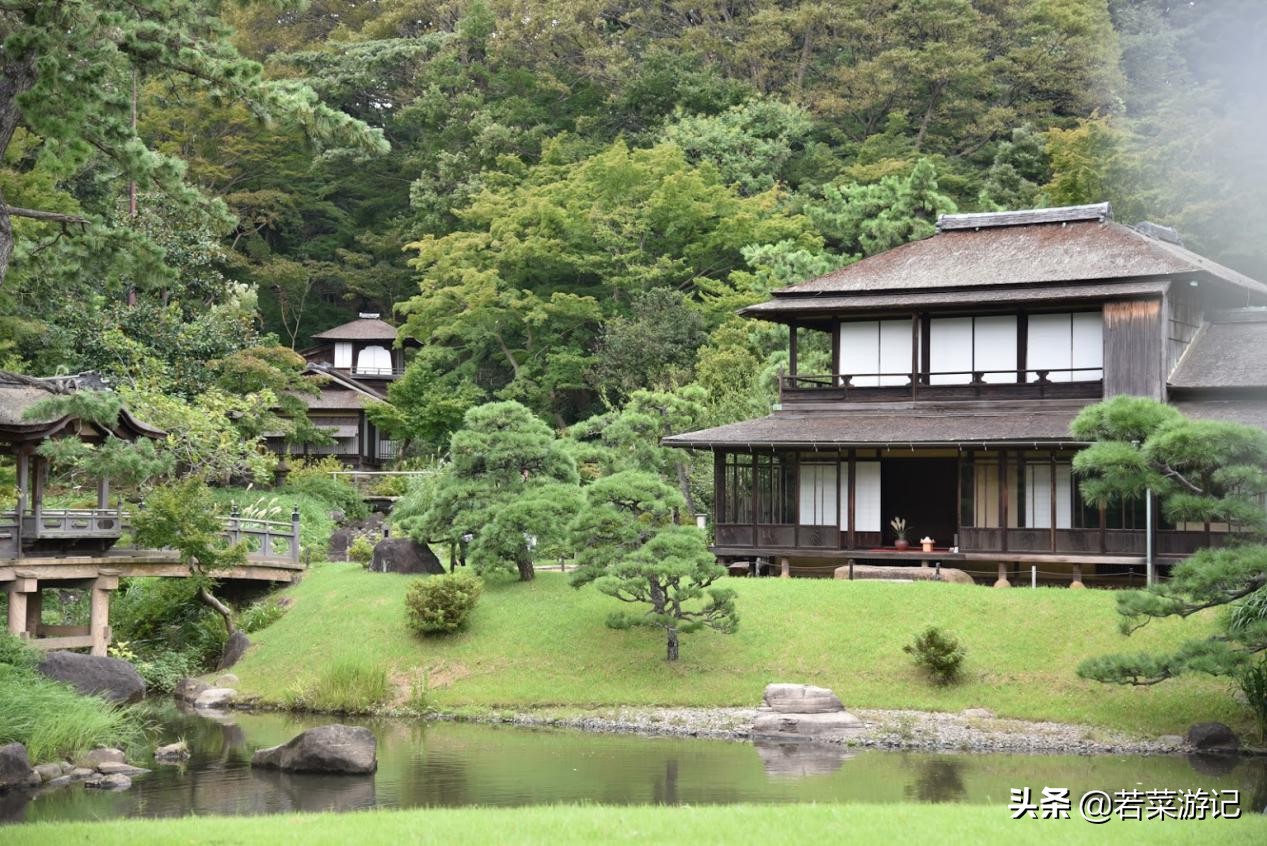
x: 726, y: 824
x: 545, y: 644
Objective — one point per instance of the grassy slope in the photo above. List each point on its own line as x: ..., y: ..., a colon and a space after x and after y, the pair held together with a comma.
x: 546, y: 644
x: 863, y: 824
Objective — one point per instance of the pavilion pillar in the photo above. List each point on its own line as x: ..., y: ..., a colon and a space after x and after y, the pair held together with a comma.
x: 103, y: 493
x: 1002, y: 580
x: 34, y: 612
x: 20, y: 590
x: 1077, y: 577
x: 785, y: 568
x: 99, y: 612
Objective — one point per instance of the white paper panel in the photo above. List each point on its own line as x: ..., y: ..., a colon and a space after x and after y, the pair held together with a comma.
x: 867, y: 496
x: 343, y: 355
x: 843, y: 521
x: 1049, y: 345
x: 895, y: 352
x: 374, y: 360
x: 1088, y: 344
x: 860, y: 350
x: 994, y: 346
x: 950, y: 349
x: 818, y: 495
x: 1064, y: 496
x: 986, y: 499
x: 1038, y: 496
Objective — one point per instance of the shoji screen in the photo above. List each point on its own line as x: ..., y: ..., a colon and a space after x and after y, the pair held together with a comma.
x: 867, y: 496
x: 818, y: 494
x: 1088, y: 345
x: 343, y: 355
x: 860, y: 350
x: 895, y: 351
x: 994, y: 346
x: 1050, y: 345
x: 950, y: 350
x: 1038, y: 493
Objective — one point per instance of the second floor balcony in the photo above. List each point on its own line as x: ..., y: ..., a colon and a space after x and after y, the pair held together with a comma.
x: 1042, y: 383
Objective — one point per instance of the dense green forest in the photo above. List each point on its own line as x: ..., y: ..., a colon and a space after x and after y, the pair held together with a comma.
x: 561, y: 202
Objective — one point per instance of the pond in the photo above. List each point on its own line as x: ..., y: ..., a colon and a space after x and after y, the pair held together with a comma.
x: 459, y: 764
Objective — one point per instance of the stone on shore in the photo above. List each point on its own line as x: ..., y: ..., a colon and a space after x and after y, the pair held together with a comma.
x: 95, y: 675
x: 116, y: 768
x: 215, y: 698
x: 48, y: 772
x: 234, y: 649
x: 188, y: 690
x: 1212, y: 737
x: 326, y: 749
x: 903, y: 573
x: 978, y: 713
x: 15, y: 768
x: 102, y: 755
x: 404, y: 555
x: 172, y: 752
x: 820, y: 726
x: 117, y: 781
x: 801, y: 699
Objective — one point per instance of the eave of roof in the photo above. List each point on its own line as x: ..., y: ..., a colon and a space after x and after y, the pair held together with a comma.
x: 361, y: 329
x: 906, y: 426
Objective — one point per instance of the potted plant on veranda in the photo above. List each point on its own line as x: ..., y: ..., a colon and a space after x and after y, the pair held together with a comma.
x: 898, y: 524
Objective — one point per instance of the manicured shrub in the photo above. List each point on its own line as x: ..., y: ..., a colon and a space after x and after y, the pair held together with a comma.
x: 441, y: 604
x: 361, y: 550
x: 345, y: 687
x: 939, y: 653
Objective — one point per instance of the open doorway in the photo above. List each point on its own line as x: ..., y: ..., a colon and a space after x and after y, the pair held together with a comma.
x: 924, y: 491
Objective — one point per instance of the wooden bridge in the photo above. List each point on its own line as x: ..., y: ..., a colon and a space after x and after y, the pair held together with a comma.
x: 81, y: 549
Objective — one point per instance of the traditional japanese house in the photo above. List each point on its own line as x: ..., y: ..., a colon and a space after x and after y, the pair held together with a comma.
x: 359, y: 360
x: 957, y: 363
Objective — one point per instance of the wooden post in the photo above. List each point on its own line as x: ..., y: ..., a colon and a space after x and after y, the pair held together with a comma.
x: 852, y: 501
x: 1077, y: 577
x: 1002, y: 580
x: 37, y: 499
x: 835, y: 353
x: 792, y: 349
x: 294, y: 535
x: 915, y: 355
x: 785, y: 568
x: 99, y: 613
x: 1003, y: 499
x: 103, y: 493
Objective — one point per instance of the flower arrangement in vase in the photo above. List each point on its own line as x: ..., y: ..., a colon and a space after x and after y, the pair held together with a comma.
x: 898, y: 524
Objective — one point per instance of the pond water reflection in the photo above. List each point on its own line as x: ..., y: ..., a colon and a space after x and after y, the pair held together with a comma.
x: 457, y: 764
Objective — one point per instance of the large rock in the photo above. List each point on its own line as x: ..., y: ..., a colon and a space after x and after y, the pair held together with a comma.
x: 325, y: 749
x: 109, y: 678
x: 117, y: 781
x: 116, y: 768
x: 15, y: 768
x: 234, y: 649
x: 1212, y: 737
x: 801, y: 699
x: 773, y: 725
x: 404, y: 555
x: 172, y: 753
x: 48, y: 772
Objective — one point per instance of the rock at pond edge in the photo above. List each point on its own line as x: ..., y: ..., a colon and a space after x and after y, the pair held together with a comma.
x: 334, y: 748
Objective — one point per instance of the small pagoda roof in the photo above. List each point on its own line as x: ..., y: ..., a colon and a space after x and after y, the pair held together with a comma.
x: 20, y: 393
x: 1228, y: 352
x: 367, y: 327
x: 983, y: 254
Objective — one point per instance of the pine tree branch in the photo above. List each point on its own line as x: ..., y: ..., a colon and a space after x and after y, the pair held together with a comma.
x: 38, y: 214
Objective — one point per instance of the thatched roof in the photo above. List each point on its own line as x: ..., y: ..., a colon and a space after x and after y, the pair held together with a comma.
x: 362, y: 329
x: 992, y: 257
x: 1251, y: 412
x: 1229, y: 351
x: 19, y: 393
x: 899, y: 426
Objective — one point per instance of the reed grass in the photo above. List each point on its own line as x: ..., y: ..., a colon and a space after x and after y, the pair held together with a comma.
x: 53, y: 721
x: 344, y: 687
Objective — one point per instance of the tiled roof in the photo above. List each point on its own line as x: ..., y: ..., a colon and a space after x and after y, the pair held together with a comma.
x: 1229, y: 351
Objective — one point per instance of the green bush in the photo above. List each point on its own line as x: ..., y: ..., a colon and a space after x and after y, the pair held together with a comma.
x: 53, y: 721
x: 261, y: 614
x: 361, y: 550
x: 163, y: 618
x: 938, y: 653
x: 313, y: 478
x: 1253, y: 683
x: 441, y: 604
x: 15, y: 653
x: 346, y: 687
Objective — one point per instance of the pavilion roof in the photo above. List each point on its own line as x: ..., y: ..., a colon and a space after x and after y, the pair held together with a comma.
x: 20, y: 393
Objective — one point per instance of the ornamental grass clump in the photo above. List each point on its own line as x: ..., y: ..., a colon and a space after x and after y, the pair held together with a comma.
x: 939, y: 653
x: 441, y: 604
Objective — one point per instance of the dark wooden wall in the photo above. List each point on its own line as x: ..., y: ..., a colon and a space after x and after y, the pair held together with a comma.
x: 1134, y: 349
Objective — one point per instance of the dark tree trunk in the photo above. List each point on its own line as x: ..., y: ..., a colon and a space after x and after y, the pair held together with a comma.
x: 209, y: 599
x: 673, y: 645
x: 526, y: 573
x: 16, y: 76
